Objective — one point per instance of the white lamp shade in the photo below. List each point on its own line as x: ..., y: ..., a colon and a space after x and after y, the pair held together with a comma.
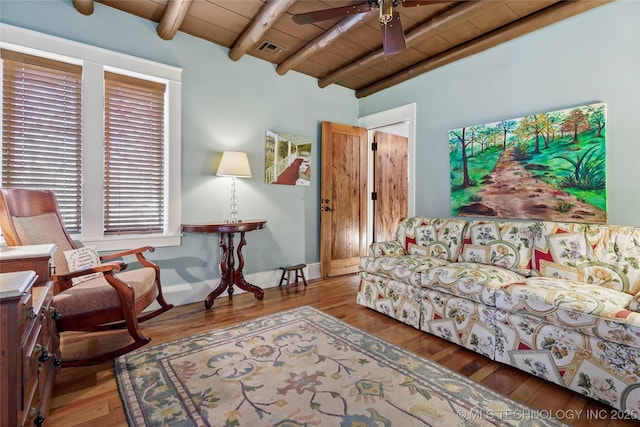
x: 234, y: 163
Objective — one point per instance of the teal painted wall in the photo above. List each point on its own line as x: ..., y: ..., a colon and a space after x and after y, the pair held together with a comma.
x: 594, y: 56
x: 226, y: 106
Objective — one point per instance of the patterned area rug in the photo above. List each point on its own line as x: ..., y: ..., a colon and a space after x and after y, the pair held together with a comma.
x: 302, y: 368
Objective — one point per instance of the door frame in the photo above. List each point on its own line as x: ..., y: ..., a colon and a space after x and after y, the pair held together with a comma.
x: 404, y: 115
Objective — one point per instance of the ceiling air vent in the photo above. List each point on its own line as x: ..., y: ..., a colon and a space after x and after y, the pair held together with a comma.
x: 269, y: 48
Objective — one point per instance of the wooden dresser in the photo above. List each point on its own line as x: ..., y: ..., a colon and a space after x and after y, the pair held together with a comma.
x: 30, y: 351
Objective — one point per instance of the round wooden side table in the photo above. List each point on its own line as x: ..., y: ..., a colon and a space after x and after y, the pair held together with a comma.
x: 231, y: 275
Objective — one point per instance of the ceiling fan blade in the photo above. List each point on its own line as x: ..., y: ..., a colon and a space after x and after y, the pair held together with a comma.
x: 412, y: 3
x: 336, y: 12
x: 393, y: 35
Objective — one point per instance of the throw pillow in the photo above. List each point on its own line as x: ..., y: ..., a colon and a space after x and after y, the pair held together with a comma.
x: 406, y: 231
x: 509, y: 245
x: 570, y: 248
x: 593, y: 233
x: 81, y: 258
x: 483, y: 233
x: 620, y: 250
x: 390, y: 248
x: 450, y: 236
x: 426, y: 234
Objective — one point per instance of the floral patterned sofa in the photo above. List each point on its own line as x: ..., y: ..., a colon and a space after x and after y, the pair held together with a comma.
x: 558, y: 300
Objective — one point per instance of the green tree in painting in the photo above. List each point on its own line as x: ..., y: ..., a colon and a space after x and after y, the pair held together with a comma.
x: 554, y: 125
x: 480, y: 135
x: 471, y: 140
x: 506, y: 126
x: 494, y: 136
x: 575, y: 123
x: 459, y: 138
x: 538, y: 124
x: 596, y: 118
x: 488, y: 136
x: 532, y: 127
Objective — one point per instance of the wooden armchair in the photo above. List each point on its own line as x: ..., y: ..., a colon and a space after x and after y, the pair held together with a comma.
x: 106, y: 301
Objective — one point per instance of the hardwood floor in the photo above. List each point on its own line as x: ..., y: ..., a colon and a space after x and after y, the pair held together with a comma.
x: 88, y: 396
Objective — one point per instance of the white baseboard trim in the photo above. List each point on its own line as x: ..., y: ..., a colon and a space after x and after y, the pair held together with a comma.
x: 187, y: 293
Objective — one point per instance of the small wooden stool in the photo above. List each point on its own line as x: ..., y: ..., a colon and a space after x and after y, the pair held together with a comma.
x: 298, y: 272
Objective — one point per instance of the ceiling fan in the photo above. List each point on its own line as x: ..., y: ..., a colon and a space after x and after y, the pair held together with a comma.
x: 392, y: 33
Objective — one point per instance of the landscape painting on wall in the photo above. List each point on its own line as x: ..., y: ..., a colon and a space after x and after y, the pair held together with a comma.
x: 287, y: 159
x: 548, y: 166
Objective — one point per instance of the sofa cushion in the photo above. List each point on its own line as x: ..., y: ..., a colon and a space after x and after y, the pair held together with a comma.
x: 506, y: 244
x: 405, y: 268
x: 477, y: 282
x: 590, y: 309
x: 592, y: 273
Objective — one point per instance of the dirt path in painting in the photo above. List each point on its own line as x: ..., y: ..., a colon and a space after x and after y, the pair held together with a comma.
x: 513, y: 192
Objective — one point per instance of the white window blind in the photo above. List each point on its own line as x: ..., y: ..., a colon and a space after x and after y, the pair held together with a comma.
x: 134, y: 177
x: 42, y: 129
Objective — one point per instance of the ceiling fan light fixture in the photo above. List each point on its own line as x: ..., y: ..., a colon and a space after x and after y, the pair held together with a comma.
x: 386, y: 10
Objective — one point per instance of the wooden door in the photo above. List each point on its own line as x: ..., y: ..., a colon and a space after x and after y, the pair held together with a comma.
x: 391, y: 185
x: 343, y: 216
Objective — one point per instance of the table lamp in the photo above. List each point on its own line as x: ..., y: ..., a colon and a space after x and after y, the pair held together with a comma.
x: 236, y: 165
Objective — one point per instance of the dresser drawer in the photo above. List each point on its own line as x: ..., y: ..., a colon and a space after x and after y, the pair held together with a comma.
x: 27, y: 313
x: 30, y: 365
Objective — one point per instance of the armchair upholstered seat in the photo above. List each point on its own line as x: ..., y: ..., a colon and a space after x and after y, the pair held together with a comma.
x: 96, y: 295
x: 93, y: 298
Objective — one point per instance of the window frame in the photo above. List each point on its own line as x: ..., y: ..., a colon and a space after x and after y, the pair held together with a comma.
x: 95, y: 61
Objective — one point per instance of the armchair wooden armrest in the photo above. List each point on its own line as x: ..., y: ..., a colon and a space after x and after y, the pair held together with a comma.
x: 138, y: 252
x: 63, y: 281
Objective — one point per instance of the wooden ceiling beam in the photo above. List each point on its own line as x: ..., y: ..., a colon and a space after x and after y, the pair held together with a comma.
x: 172, y: 18
x: 85, y: 7
x: 324, y: 40
x: 549, y: 15
x: 270, y: 13
x: 433, y: 24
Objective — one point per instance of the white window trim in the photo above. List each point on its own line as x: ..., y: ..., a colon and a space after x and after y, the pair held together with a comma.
x: 95, y: 61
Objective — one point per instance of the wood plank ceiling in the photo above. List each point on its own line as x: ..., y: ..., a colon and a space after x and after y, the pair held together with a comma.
x: 348, y: 51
